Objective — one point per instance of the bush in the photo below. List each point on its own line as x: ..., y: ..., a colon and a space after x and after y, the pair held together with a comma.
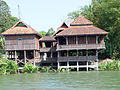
x: 7, y: 66
x: 46, y: 69
x: 110, y: 66
x: 29, y: 68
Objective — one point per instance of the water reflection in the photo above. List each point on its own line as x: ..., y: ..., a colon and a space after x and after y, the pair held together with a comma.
x: 67, y: 81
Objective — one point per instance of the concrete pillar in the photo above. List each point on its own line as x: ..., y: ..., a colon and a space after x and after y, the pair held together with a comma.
x: 87, y: 66
x: 66, y: 40
x: 96, y: 39
x: 77, y: 66
x: 76, y: 39
x: 58, y: 64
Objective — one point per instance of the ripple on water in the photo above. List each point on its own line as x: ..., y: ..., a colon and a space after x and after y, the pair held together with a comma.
x: 67, y: 81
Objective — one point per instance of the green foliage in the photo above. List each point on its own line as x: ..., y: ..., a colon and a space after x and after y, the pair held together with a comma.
x: 46, y: 69
x: 7, y: 66
x: 29, y: 68
x: 105, y: 14
x: 43, y: 33
x: 110, y: 66
x: 50, y: 32
x: 6, y: 20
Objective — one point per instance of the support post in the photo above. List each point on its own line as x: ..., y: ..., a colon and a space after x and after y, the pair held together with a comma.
x: 96, y: 39
x: 76, y: 39
x: 68, y: 64
x: 15, y: 56
x: 86, y: 39
x: 34, y: 59
x: 97, y: 60
x: 77, y: 66
x: 87, y: 66
x: 58, y: 64
x: 25, y: 56
x: 66, y: 40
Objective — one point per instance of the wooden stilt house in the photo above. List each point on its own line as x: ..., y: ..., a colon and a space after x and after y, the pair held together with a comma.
x: 22, y: 43
x: 79, y: 44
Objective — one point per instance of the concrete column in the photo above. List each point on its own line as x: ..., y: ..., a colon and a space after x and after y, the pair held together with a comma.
x: 66, y: 40
x: 67, y: 64
x: 87, y: 66
x: 51, y: 54
x: 96, y: 39
x: 77, y: 66
x: 76, y: 39
x: 58, y: 64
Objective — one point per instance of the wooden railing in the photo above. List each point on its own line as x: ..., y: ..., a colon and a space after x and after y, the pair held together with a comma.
x: 80, y: 46
x: 78, y: 58
x: 20, y: 47
x: 52, y: 49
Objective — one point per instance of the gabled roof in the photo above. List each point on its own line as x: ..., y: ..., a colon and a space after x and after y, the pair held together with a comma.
x: 82, y: 30
x: 21, y: 28
x: 47, y: 38
x: 61, y: 28
x: 81, y: 26
x: 81, y: 20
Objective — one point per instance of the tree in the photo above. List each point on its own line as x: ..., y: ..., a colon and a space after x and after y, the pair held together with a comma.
x: 105, y: 14
x: 50, y: 32
x: 43, y: 33
x: 6, y: 21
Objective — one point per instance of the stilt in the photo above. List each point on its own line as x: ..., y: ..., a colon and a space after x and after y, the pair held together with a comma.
x: 87, y: 66
x: 58, y: 64
x: 34, y: 59
x: 15, y: 57
x: 77, y: 66
x: 25, y: 57
x: 68, y: 65
x: 97, y: 65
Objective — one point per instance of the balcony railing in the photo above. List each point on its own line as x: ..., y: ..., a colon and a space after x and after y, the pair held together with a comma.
x: 78, y: 58
x: 80, y: 46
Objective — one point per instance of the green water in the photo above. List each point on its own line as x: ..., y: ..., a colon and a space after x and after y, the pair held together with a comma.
x: 62, y: 81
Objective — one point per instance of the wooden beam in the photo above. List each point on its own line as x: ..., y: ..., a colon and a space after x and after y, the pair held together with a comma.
x: 15, y: 56
x: 76, y: 39
x: 34, y: 58
x: 25, y: 56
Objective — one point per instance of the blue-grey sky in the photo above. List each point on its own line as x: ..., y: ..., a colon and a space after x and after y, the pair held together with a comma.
x: 44, y: 14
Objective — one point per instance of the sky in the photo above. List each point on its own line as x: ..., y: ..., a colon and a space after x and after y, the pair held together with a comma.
x: 44, y: 14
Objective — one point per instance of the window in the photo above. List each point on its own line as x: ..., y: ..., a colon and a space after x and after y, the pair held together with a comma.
x: 71, y: 40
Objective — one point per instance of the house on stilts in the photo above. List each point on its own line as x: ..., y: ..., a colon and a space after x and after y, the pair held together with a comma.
x: 76, y: 46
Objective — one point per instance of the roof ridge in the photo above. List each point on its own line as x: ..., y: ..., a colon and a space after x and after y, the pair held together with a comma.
x: 80, y: 21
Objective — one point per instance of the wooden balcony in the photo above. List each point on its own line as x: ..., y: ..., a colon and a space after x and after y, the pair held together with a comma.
x: 20, y: 47
x: 80, y: 46
x: 77, y: 58
x: 50, y: 49
x: 49, y: 59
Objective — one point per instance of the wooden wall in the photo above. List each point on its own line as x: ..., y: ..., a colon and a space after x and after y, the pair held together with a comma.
x: 22, y: 42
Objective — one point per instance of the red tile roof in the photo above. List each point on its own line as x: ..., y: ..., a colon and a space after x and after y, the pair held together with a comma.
x: 47, y: 38
x: 61, y: 28
x: 81, y: 20
x: 21, y: 30
x: 82, y: 30
x: 81, y: 26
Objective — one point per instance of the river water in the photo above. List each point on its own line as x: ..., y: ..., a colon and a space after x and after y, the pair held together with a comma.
x: 62, y: 81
